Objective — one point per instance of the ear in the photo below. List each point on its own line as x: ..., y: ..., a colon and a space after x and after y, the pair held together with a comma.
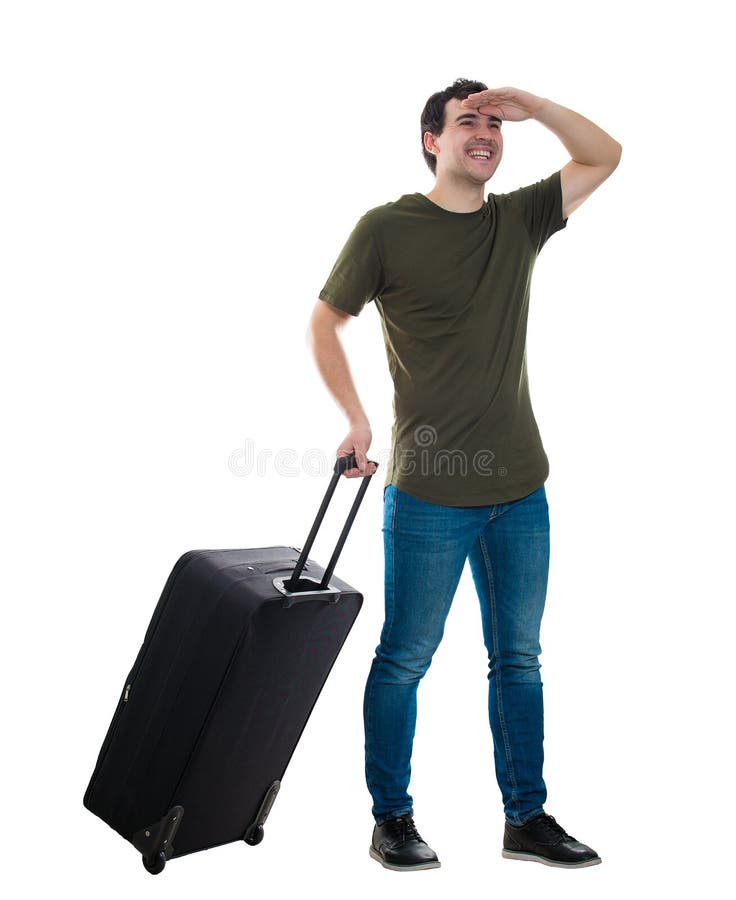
x: 430, y: 144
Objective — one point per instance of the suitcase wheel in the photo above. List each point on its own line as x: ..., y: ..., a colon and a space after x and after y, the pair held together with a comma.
x: 158, y: 865
x: 254, y: 835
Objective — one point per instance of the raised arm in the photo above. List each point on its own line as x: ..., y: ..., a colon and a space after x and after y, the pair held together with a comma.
x: 595, y: 154
x: 329, y: 354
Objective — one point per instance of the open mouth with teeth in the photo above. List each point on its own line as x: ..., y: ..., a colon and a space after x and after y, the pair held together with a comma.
x: 477, y: 153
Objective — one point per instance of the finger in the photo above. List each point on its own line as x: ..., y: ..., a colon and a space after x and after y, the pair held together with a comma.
x: 486, y: 104
x: 490, y: 96
x: 370, y: 469
x: 480, y: 95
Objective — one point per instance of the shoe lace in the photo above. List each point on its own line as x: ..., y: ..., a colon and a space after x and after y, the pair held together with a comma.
x: 406, y: 824
x: 554, y: 828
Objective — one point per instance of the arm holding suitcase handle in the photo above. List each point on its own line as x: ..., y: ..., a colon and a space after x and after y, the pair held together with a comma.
x: 323, y: 336
x: 342, y: 464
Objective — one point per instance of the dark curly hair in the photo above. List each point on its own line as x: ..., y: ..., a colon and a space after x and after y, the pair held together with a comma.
x: 433, y: 114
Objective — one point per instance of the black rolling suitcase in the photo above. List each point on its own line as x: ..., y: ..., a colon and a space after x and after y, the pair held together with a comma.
x: 234, y: 658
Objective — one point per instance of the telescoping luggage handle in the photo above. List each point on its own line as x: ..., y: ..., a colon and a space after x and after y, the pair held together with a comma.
x: 342, y: 463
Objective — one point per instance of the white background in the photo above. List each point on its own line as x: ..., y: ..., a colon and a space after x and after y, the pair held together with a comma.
x: 177, y: 180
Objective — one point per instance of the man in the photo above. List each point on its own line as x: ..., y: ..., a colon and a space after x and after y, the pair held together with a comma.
x: 450, y: 272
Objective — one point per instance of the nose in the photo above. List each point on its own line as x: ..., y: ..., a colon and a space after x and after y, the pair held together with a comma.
x: 487, y: 129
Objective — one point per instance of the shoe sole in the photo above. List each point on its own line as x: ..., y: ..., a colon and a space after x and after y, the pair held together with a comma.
x: 377, y: 856
x: 532, y: 857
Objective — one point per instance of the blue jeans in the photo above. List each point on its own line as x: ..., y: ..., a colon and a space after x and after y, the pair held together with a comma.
x: 425, y: 548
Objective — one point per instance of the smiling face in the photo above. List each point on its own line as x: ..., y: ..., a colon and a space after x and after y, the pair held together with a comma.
x: 470, y: 146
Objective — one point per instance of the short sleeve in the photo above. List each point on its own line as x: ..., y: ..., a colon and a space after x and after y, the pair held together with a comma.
x: 357, y: 276
x: 540, y: 206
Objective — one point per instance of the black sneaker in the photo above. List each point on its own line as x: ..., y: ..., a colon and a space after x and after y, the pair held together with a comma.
x: 397, y: 845
x: 543, y: 840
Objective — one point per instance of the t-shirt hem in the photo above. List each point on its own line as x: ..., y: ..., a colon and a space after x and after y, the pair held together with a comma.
x: 509, y: 496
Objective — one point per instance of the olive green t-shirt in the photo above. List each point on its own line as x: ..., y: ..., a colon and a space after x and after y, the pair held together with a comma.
x: 452, y: 291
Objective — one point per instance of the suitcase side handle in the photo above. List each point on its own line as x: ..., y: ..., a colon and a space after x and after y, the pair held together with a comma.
x: 342, y: 463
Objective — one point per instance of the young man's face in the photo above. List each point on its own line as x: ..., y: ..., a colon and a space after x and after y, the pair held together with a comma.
x: 470, y: 145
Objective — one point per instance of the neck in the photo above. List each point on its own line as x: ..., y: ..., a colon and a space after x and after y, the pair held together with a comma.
x: 456, y: 195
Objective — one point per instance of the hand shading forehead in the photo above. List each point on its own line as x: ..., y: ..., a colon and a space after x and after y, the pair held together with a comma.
x: 456, y: 114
